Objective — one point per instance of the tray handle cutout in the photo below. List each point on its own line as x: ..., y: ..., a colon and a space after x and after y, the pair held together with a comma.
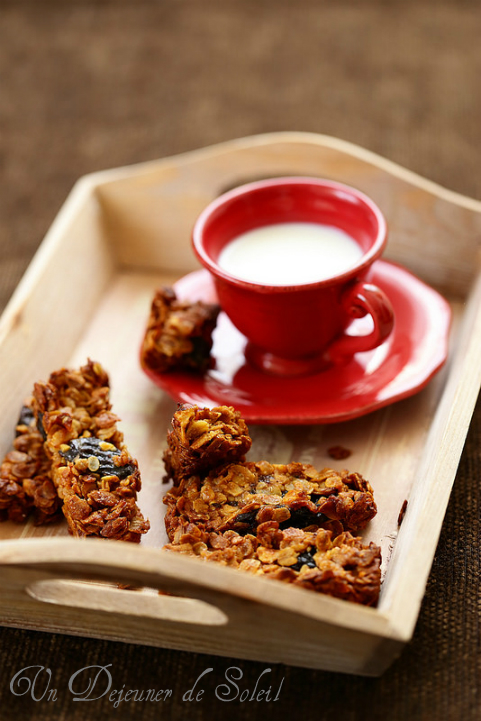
x: 123, y: 579
x: 143, y: 602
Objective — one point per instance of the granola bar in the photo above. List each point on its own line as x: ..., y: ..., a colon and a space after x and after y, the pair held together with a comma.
x: 336, y: 565
x: 284, y: 521
x: 25, y: 478
x: 204, y: 438
x: 94, y: 474
x: 179, y: 333
x: 241, y: 496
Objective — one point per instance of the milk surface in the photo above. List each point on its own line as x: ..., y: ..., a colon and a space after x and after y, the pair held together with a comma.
x: 290, y: 254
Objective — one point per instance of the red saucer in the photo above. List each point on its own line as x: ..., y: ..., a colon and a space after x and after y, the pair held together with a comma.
x: 401, y: 366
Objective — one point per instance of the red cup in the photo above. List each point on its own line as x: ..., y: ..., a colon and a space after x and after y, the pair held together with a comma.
x: 298, y: 329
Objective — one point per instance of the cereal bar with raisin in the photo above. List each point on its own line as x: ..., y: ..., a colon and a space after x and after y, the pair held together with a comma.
x: 202, y: 439
x: 336, y: 565
x: 241, y: 496
x: 94, y: 474
x: 25, y: 476
x: 179, y: 333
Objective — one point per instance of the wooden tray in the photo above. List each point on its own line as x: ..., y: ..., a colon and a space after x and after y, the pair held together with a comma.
x: 87, y: 293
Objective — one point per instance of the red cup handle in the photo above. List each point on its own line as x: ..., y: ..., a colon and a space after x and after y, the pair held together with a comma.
x: 359, y: 300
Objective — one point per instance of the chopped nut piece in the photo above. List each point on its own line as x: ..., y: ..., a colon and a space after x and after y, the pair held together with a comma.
x: 104, y: 446
x: 93, y: 464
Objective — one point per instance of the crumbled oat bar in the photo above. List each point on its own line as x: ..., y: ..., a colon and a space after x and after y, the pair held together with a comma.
x: 179, y: 333
x: 241, y: 496
x: 339, y: 453
x: 25, y: 480
x: 337, y: 565
x: 204, y: 438
x: 94, y: 474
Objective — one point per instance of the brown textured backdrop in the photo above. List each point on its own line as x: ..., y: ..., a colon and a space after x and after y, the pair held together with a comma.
x: 91, y: 85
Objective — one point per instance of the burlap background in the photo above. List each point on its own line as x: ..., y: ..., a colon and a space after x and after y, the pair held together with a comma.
x: 91, y: 85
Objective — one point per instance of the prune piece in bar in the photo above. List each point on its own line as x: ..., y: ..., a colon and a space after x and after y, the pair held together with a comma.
x: 336, y: 565
x: 94, y: 474
x: 304, y: 559
x: 25, y: 482
x: 241, y: 496
x: 303, y: 518
x: 204, y: 438
x: 99, y: 455
x: 40, y: 427
x: 179, y: 333
x: 25, y: 420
